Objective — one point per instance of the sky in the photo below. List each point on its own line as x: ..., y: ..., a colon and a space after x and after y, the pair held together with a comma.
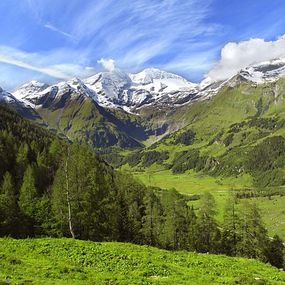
x: 53, y: 40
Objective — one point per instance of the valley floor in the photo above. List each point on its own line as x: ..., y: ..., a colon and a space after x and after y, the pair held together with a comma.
x: 191, y: 183
x: 67, y: 261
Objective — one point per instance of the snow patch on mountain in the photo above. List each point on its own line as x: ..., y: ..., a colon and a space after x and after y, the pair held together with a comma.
x: 6, y: 97
x: 267, y: 71
x: 31, y: 93
x: 132, y: 91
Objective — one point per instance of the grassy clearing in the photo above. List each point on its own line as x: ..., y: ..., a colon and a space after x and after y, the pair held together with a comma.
x: 66, y: 261
x: 192, y: 182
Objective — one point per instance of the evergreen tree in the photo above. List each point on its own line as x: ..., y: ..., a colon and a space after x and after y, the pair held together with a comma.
x: 253, y: 233
x: 192, y: 224
x: 28, y: 193
x: 8, y: 207
x: 151, y: 221
x: 22, y: 160
x: 230, y: 226
x: 275, y: 252
x: 174, y: 234
x: 207, y: 232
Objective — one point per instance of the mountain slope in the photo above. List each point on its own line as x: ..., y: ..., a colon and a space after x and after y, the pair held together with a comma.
x: 70, y: 109
x: 80, y: 118
x: 222, y: 134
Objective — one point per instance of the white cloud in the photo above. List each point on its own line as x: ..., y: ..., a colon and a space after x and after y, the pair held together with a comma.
x: 108, y: 64
x: 137, y: 32
x: 55, y: 29
x: 236, y: 56
x: 45, y: 65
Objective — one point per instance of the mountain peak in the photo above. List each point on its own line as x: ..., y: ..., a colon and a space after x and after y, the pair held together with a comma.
x: 29, y: 89
x: 266, y: 71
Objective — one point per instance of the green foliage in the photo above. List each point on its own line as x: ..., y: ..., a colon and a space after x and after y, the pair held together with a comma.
x: 8, y: 206
x: 254, y: 238
x: 151, y: 157
x: 28, y: 193
x: 275, y: 252
x: 186, y: 160
x: 146, y: 158
x: 266, y: 160
x: 67, y: 190
x: 208, y: 235
x: 186, y: 138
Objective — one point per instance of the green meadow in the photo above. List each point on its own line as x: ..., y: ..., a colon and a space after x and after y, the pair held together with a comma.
x: 67, y: 261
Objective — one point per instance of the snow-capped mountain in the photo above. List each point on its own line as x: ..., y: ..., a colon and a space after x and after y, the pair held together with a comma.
x: 116, y: 89
x: 35, y: 93
x: 150, y: 87
x: 111, y: 87
x: 267, y: 71
x: 7, y: 97
x: 132, y: 91
x: 263, y: 72
x: 29, y: 91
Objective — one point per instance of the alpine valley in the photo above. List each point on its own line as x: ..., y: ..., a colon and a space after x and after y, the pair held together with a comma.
x: 151, y: 159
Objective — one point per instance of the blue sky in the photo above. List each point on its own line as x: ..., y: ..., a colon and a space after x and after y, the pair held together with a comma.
x: 51, y: 40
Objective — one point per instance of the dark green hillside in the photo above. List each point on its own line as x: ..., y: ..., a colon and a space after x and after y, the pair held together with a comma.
x: 81, y: 119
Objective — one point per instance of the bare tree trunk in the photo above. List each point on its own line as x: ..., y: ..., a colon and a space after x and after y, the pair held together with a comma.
x: 68, y: 197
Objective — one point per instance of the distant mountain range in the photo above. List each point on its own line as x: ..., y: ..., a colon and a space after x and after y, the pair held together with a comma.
x: 120, y: 109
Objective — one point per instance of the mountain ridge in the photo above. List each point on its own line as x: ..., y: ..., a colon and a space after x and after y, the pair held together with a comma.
x: 150, y: 103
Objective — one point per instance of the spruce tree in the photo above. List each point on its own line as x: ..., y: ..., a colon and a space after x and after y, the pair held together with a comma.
x: 230, y: 226
x: 275, y: 252
x: 254, y: 238
x: 207, y: 231
x: 8, y: 206
x: 28, y: 193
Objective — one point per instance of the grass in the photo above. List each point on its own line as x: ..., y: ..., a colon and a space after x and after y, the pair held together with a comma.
x: 67, y: 261
x: 192, y: 182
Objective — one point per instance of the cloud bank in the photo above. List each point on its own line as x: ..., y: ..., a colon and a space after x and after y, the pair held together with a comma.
x: 236, y: 56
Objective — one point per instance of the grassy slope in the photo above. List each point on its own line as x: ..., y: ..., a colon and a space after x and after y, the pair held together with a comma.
x: 66, y: 261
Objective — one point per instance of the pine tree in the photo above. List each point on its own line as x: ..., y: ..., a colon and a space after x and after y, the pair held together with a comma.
x: 207, y: 232
x: 254, y: 237
x: 275, y: 252
x: 230, y: 234
x: 22, y: 159
x: 192, y: 224
x: 151, y: 221
x: 28, y: 193
x: 8, y: 206
x: 174, y: 234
